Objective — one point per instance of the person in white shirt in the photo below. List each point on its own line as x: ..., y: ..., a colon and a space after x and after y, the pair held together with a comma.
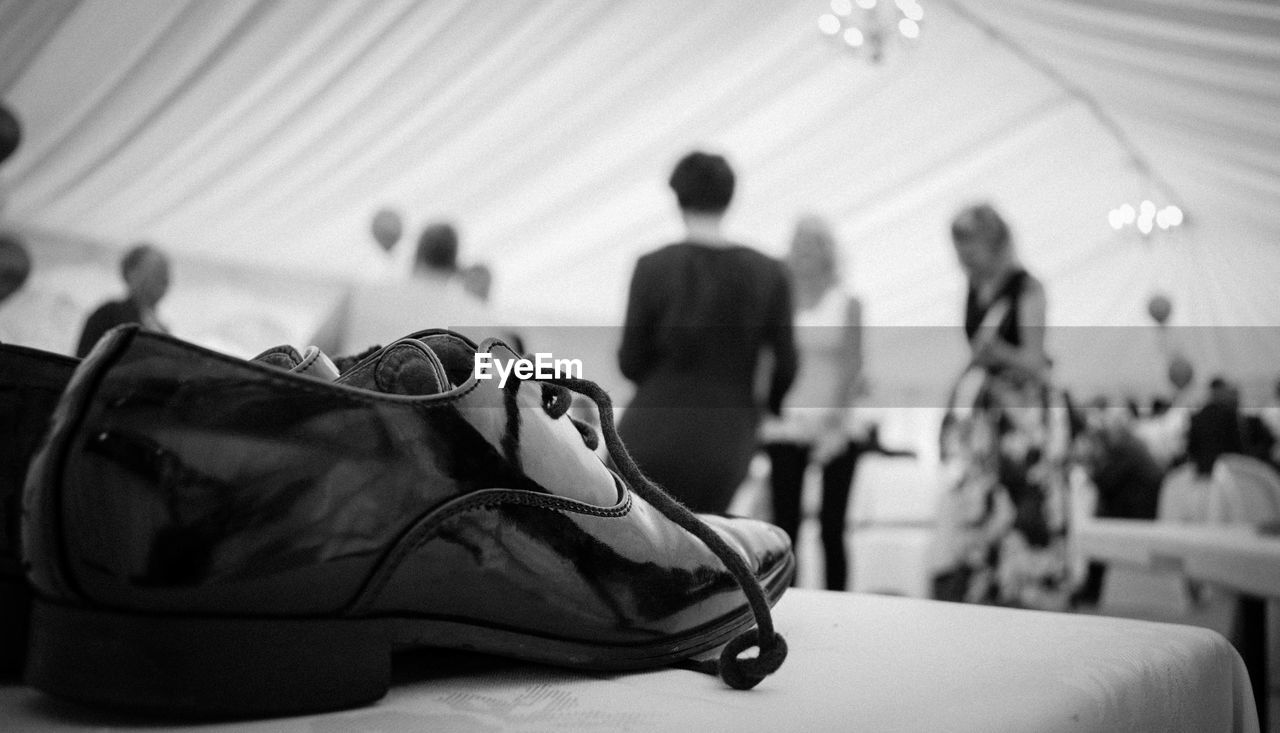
x: 816, y: 421
x: 377, y: 313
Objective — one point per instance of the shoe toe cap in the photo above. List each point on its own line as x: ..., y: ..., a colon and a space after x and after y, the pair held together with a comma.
x: 761, y: 544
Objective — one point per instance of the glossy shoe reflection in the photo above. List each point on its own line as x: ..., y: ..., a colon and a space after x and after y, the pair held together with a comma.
x: 31, y: 382
x: 213, y: 537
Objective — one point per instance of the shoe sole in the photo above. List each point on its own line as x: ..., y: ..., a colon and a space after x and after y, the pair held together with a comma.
x: 214, y: 667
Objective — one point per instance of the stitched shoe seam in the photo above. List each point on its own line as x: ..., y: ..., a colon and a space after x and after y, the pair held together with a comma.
x: 303, y: 384
x: 426, y: 528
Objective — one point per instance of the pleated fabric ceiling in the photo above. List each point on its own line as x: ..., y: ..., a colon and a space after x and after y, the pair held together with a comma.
x: 263, y: 134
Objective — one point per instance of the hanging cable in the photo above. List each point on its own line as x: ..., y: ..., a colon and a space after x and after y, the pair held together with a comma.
x: 1104, y: 118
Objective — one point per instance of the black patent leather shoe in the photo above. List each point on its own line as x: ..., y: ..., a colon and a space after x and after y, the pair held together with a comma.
x: 212, y: 537
x: 31, y: 381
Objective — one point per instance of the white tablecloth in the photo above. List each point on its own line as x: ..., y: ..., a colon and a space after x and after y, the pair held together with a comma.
x: 1236, y: 556
x: 858, y: 663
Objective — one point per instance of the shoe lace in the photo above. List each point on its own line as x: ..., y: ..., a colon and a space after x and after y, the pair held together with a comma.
x: 737, y: 671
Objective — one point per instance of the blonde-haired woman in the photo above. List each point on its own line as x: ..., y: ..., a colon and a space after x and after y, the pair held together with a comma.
x: 1002, y: 521
x: 814, y: 426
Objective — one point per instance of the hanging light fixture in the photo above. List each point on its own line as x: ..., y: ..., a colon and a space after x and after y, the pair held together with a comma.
x: 866, y: 28
x: 1146, y: 217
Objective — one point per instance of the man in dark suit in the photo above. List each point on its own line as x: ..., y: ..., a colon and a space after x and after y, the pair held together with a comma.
x: 146, y: 276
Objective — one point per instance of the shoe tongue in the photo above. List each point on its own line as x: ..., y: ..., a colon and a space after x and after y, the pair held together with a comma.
x: 315, y: 363
x: 311, y: 363
x: 407, y: 367
x: 281, y: 357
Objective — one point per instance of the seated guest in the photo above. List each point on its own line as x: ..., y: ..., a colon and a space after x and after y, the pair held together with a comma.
x: 1257, y: 438
x: 1164, y: 431
x: 1127, y: 479
x: 1215, y: 428
x: 1259, y: 441
x: 145, y: 270
x: 1125, y: 474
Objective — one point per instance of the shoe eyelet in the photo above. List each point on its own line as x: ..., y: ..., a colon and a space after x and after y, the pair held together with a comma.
x: 555, y: 400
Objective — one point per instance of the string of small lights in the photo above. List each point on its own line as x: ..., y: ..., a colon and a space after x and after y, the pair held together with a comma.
x: 867, y: 27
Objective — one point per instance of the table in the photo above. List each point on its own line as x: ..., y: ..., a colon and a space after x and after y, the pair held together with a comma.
x: 858, y: 662
x: 1235, y: 556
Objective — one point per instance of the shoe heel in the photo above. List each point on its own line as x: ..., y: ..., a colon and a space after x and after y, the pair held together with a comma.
x: 206, y: 667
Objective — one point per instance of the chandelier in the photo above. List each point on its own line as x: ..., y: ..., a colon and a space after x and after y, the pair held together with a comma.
x: 867, y: 27
x: 1145, y: 217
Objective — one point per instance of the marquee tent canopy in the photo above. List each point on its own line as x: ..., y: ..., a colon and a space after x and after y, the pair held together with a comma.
x: 259, y: 136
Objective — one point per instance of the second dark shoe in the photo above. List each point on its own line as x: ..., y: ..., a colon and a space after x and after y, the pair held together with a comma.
x: 211, y: 537
x: 31, y: 381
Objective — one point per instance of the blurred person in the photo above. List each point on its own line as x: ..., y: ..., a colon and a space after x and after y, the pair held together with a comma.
x: 15, y: 270
x: 437, y: 253
x: 1126, y: 479
x: 145, y: 271
x: 701, y: 313
x: 1258, y: 439
x: 478, y: 280
x: 15, y: 260
x: 1215, y: 428
x: 1163, y: 430
x: 1133, y: 407
x: 27, y: 316
x: 10, y: 139
x: 369, y: 314
x: 1270, y: 416
x: 816, y: 425
x: 15, y: 265
x: 1010, y: 461
x: 10, y: 132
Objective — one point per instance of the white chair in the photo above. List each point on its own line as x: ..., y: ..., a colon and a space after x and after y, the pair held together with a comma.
x: 1164, y: 594
x: 1185, y: 497
x: 1247, y: 490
